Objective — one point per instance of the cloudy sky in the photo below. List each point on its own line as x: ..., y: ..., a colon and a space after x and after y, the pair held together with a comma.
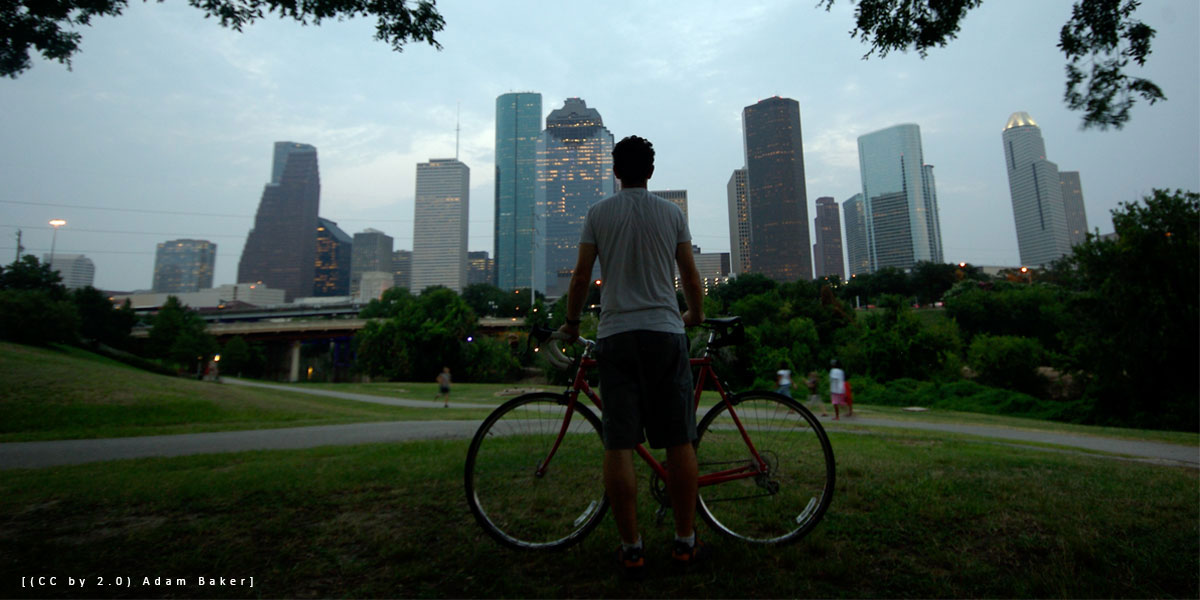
x: 165, y: 126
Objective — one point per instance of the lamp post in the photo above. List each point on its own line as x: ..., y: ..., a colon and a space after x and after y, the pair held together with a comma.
x: 55, y: 223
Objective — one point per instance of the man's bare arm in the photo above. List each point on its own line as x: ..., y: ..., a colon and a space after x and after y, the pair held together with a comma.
x: 689, y: 280
x: 577, y: 291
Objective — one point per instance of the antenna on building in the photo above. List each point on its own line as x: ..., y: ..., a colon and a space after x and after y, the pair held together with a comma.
x: 457, y: 122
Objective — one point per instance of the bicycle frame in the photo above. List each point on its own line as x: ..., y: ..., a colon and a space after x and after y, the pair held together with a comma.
x: 706, y: 375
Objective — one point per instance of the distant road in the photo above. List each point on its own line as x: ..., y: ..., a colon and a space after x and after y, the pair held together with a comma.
x: 17, y: 455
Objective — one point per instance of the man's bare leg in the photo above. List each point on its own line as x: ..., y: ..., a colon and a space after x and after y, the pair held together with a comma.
x: 620, y: 482
x: 681, y: 486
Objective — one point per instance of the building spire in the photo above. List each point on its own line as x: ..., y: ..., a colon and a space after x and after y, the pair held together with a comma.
x: 457, y: 123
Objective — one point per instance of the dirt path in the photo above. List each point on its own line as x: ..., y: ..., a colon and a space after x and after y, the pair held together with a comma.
x: 18, y: 455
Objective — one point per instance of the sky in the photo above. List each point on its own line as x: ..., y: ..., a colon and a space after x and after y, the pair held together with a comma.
x: 165, y: 124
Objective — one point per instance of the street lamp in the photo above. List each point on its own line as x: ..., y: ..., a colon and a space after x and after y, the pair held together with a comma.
x: 55, y: 223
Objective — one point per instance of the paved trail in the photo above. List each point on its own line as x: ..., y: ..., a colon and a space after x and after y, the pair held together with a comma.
x: 18, y: 455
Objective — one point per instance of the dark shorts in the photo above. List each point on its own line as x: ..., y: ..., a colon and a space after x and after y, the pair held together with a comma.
x: 646, y: 387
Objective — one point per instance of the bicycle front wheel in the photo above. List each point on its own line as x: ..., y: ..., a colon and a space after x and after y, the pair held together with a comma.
x: 784, y: 501
x: 532, y: 484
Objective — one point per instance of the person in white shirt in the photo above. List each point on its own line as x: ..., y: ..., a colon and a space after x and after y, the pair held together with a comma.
x: 837, y: 387
x: 783, y: 379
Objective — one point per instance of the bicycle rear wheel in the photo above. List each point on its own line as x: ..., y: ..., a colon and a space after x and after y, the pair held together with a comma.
x: 516, y: 496
x: 783, y: 504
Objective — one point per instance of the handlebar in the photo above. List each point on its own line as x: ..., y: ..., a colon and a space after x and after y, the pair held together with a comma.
x: 727, y: 331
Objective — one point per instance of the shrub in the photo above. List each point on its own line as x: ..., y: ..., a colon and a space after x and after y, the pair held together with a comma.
x: 1007, y: 361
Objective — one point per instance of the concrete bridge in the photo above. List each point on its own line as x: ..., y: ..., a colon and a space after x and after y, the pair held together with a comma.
x: 285, y: 338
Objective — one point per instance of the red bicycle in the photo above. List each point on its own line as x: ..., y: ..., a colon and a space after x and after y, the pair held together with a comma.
x: 534, y: 477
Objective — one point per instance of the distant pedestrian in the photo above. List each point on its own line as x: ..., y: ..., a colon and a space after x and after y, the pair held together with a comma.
x: 814, y: 398
x: 837, y: 387
x: 443, y: 381
x: 783, y: 379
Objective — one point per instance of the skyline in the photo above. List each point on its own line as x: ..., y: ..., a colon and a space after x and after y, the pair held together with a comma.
x: 140, y: 125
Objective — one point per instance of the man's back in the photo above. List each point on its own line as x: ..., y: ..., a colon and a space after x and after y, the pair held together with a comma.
x: 636, y: 235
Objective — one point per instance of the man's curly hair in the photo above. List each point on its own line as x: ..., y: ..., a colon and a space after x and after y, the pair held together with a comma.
x: 633, y: 158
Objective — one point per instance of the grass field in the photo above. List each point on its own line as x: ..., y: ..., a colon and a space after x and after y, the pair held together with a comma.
x: 913, y: 516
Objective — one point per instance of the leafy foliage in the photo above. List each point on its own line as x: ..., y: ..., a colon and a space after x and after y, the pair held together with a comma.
x: 49, y: 25
x: 1102, y: 32
x: 415, y: 336
x: 1105, y: 34
x: 1008, y: 362
x: 178, y: 334
x: 1135, y: 313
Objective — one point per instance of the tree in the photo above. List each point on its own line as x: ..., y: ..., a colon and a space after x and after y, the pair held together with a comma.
x: 1135, y: 313
x: 48, y: 25
x: 31, y: 274
x: 33, y: 304
x: 178, y: 334
x: 1102, y: 33
x: 99, y: 321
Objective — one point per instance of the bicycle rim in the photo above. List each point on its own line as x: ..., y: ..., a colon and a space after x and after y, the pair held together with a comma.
x: 786, y: 503
x: 514, y: 502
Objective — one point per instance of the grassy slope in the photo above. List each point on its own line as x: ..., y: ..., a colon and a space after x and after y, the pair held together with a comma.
x: 913, y: 516
x: 69, y: 393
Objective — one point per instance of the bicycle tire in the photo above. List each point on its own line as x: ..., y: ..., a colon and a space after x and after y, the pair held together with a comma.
x: 802, y: 469
x: 510, y: 500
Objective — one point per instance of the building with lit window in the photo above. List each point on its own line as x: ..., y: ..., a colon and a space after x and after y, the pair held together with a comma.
x: 676, y: 197
x: 739, y: 223
x: 900, y: 199
x: 442, y: 206
x: 479, y: 267
x: 574, y: 173
x: 827, y: 251
x: 1072, y: 193
x: 334, y: 253
x: 780, y: 247
x: 517, y: 253
x: 184, y: 266
x: 402, y: 269
x: 281, y: 250
x: 1036, y: 191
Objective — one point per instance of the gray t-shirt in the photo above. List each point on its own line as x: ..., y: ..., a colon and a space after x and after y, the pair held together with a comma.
x: 635, y: 234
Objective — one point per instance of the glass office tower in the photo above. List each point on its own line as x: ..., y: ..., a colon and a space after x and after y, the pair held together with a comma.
x: 182, y: 266
x: 780, y: 247
x: 334, y: 254
x: 1036, y: 190
x: 827, y: 250
x: 739, y: 223
x: 518, y: 129
x: 900, y: 199
x: 858, y: 255
x: 574, y: 172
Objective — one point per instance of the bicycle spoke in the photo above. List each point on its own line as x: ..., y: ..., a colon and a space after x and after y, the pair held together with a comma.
x: 528, y: 486
x: 790, y: 495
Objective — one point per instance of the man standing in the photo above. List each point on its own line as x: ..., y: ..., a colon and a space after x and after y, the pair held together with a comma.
x: 645, y: 376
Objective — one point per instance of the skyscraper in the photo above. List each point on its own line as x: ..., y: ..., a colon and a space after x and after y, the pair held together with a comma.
x: 676, y: 197
x: 1072, y: 193
x: 518, y: 129
x: 440, y: 225
x: 182, y: 266
x: 574, y: 172
x: 334, y: 255
x: 1033, y: 183
x: 372, y: 254
x: 479, y: 267
x: 779, y: 243
x: 827, y: 251
x: 900, y: 199
x: 402, y: 267
x: 281, y: 250
x: 858, y: 254
x: 77, y: 271
x: 739, y: 223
